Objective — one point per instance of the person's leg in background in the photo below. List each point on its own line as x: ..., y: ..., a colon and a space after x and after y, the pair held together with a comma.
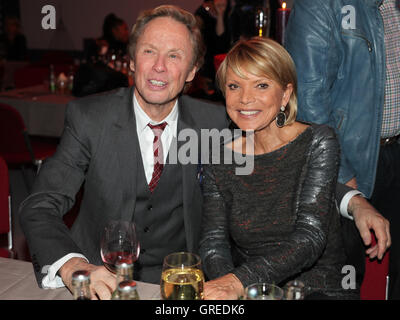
x: 386, y: 199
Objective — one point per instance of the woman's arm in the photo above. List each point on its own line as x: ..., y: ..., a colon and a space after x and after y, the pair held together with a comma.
x: 214, y: 241
x: 214, y: 244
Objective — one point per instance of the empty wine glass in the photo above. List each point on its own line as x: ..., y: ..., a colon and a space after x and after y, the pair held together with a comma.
x: 182, y: 277
x: 263, y: 291
x: 119, y: 242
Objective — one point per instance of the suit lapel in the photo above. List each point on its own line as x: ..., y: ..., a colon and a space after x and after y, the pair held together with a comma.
x: 126, y: 146
x: 189, y: 171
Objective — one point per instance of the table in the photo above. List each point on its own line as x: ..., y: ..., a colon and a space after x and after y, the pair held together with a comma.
x: 18, y: 282
x: 42, y: 111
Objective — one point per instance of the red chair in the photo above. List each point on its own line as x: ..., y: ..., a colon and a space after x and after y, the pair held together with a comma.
x: 5, y: 211
x: 56, y: 57
x: 37, y: 74
x: 375, y: 283
x: 31, y: 75
x: 16, y: 147
x: 218, y: 59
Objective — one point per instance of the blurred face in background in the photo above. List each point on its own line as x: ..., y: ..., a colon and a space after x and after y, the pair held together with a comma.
x: 220, y: 5
x: 121, y: 33
x: 12, y: 27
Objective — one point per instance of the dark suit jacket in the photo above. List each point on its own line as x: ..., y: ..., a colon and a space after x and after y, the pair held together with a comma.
x: 98, y: 148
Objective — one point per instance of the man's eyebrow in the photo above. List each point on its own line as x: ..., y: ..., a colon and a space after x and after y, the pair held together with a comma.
x: 180, y: 50
x: 176, y: 50
x: 145, y: 44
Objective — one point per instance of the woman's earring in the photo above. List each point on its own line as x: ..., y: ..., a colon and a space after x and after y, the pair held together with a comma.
x: 281, y: 118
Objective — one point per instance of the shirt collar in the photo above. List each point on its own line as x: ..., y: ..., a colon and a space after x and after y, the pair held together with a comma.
x: 142, y: 119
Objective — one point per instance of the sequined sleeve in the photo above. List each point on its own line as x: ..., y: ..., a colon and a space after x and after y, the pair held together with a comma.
x: 214, y: 244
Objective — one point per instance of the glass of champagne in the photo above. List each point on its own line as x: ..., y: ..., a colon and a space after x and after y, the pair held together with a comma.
x: 182, y: 277
x: 263, y: 291
x: 119, y: 242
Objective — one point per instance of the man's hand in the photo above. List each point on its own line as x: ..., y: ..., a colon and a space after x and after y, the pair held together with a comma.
x: 102, y: 281
x: 352, y: 183
x: 227, y: 287
x: 366, y: 218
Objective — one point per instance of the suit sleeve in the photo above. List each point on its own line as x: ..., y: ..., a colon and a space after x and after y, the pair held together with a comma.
x: 310, y: 42
x: 341, y: 191
x: 53, y: 194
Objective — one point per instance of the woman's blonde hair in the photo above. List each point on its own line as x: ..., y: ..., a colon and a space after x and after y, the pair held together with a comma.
x: 262, y: 57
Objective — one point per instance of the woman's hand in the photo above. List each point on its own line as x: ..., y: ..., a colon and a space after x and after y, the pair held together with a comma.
x: 227, y: 287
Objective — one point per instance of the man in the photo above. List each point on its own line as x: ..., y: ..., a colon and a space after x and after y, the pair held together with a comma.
x: 108, y: 145
x: 347, y: 55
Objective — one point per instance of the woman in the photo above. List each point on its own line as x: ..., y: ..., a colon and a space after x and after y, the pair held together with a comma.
x: 13, y: 42
x: 213, y: 18
x: 115, y: 33
x: 114, y: 40
x: 280, y: 222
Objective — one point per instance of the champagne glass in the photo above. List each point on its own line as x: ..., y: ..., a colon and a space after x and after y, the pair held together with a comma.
x: 182, y: 277
x: 263, y: 291
x: 119, y: 243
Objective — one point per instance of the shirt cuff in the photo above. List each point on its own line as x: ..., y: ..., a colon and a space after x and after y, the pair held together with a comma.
x: 52, y: 280
x: 345, y: 203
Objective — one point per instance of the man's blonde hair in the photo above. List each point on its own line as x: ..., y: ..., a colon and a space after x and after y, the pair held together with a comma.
x: 179, y: 15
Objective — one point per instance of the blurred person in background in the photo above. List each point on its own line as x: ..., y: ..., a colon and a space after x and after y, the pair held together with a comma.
x: 115, y: 33
x: 13, y: 42
x: 107, y: 60
x: 214, y: 20
x: 347, y: 55
x: 114, y: 40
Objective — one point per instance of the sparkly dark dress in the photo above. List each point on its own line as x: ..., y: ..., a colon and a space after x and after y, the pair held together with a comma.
x: 279, y: 223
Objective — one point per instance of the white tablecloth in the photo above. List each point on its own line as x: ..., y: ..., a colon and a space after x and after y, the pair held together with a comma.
x: 18, y: 282
x: 43, y: 112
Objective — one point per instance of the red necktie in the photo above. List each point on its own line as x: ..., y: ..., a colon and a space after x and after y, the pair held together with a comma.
x: 158, y: 154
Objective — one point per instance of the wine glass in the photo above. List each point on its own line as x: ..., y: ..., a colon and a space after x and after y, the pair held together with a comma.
x: 263, y: 291
x: 182, y: 277
x: 119, y: 242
